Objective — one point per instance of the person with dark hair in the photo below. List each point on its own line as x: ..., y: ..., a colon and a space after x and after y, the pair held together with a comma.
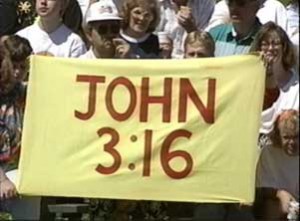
x: 12, y: 103
x: 140, y: 18
x: 19, y: 50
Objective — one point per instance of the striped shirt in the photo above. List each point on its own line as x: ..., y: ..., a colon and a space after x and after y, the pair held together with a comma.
x: 202, y: 10
x: 227, y: 43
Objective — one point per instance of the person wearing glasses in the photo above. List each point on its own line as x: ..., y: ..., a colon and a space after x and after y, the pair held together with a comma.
x: 140, y: 18
x: 237, y: 36
x: 277, y: 180
x: 103, y: 28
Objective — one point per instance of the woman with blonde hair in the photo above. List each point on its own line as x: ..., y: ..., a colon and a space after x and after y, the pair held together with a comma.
x: 140, y: 18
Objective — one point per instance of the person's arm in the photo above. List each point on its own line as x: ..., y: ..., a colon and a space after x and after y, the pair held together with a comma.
x: 7, y: 188
x: 272, y: 92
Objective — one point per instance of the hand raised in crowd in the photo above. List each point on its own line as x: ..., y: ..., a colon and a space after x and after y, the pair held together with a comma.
x: 285, y: 199
x: 7, y: 189
x: 122, y: 48
x: 186, y: 19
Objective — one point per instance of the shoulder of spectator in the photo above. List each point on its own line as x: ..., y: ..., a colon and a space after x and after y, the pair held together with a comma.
x: 220, y: 31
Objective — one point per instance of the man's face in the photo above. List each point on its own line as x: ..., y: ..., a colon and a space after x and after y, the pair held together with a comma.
x: 102, y: 35
x: 242, y: 11
x: 197, y: 51
x: 49, y: 8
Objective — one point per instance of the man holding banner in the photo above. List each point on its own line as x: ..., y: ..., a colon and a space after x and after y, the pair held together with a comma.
x: 103, y: 28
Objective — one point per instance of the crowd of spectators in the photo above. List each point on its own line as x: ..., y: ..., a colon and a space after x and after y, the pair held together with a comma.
x: 165, y: 29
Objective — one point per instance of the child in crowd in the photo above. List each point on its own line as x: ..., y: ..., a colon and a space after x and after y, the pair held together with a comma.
x: 199, y: 45
x: 278, y: 169
x: 49, y: 34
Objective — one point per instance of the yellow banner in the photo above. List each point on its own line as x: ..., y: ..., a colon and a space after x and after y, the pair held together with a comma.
x: 174, y: 130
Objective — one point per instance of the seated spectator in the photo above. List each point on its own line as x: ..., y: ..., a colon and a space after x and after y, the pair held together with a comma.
x: 49, y: 35
x: 274, y: 43
x: 278, y: 169
x: 179, y: 17
x: 199, y: 45
x: 12, y: 100
x: 165, y: 45
x: 270, y: 10
x: 236, y: 38
x: 19, y: 51
x: 140, y: 18
x: 103, y: 28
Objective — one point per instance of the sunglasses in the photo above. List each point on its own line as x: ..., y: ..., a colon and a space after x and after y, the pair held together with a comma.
x: 239, y: 3
x: 105, y: 29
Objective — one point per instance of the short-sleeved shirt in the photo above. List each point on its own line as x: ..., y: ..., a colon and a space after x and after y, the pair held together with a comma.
x: 227, y: 43
x: 61, y: 43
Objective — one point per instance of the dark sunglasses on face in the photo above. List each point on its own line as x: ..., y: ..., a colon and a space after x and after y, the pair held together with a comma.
x: 105, y: 29
x: 239, y: 3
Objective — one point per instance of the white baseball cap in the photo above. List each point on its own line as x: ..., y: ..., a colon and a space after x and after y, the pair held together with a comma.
x: 102, y: 10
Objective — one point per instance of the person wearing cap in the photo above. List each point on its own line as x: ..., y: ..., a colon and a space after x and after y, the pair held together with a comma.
x: 49, y: 34
x: 237, y: 36
x: 103, y: 28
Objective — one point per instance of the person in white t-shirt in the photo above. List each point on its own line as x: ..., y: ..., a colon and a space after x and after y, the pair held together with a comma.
x: 180, y: 17
x: 49, y: 34
x: 103, y: 28
x: 271, y: 10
